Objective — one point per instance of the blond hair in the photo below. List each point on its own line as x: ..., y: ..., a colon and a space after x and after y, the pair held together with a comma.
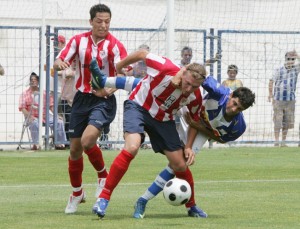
x: 198, y: 71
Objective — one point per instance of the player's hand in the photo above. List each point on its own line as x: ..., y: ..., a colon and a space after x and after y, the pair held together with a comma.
x: 63, y: 65
x: 101, y: 92
x: 110, y: 91
x: 218, y: 56
x: 69, y: 73
x: 189, y: 156
x: 176, y: 80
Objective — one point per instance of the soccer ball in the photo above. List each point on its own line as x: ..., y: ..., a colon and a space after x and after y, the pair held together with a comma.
x: 177, y: 192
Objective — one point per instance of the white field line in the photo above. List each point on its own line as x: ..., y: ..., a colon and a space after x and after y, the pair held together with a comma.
x: 138, y: 184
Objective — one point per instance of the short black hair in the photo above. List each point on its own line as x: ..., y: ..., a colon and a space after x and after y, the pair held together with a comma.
x: 245, y: 95
x: 33, y: 74
x: 232, y: 67
x: 99, y: 8
x: 186, y: 48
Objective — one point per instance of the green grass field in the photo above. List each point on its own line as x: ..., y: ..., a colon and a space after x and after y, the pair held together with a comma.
x: 237, y: 187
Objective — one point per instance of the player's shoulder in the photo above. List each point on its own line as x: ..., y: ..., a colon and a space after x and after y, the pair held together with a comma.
x: 113, y: 41
x: 157, y: 61
x: 241, y: 120
x: 110, y: 37
x: 80, y: 36
x: 84, y: 34
x: 238, y: 126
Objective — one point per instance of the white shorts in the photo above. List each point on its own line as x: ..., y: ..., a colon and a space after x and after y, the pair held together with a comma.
x: 183, y: 130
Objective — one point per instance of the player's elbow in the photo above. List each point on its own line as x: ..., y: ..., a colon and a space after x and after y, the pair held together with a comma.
x: 142, y: 53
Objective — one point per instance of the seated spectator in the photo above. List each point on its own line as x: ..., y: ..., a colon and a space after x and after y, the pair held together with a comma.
x: 28, y: 105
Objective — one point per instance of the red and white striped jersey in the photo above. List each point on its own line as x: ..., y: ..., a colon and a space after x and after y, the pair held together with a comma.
x: 81, y: 48
x: 156, y: 93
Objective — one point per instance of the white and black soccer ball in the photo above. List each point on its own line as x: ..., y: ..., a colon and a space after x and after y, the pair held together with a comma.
x: 177, y: 192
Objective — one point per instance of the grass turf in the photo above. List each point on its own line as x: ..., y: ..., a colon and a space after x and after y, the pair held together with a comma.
x: 237, y: 187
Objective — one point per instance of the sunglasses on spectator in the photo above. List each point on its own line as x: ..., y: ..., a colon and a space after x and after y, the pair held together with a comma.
x: 291, y: 59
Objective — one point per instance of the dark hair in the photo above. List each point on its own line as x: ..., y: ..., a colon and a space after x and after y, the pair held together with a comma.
x: 33, y: 74
x: 245, y: 95
x: 144, y: 46
x: 186, y: 48
x: 290, y: 53
x: 99, y: 8
x: 232, y: 67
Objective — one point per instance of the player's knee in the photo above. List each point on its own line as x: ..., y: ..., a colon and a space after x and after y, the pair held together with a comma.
x: 75, y: 154
x: 88, y: 142
x: 87, y: 145
x: 132, y: 148
x: 178, y: 166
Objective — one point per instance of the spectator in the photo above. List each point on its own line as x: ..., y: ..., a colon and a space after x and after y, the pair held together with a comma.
x: 186, y: 56
x: 66, y: 88
x: 282, y: 88
x: 67, y: 95
x: 232, y: 82
x: 60, y: 45
x: 28, y: 105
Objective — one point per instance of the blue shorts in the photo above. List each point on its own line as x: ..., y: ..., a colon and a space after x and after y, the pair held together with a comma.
x: 162, y: 135
x: 88, y: 109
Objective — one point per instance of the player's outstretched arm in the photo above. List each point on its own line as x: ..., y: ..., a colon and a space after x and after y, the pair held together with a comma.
x: 100, y: 80
x: 134, y: 57
x: 202, y: 128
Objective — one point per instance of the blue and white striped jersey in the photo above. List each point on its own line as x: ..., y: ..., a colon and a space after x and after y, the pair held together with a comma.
x: 213, y: 109
x: 285, y: 81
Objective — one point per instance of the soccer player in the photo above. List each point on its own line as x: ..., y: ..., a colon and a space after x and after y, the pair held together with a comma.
x: 151, y: 107
x: 90, y: 114
x: 221, y: 119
